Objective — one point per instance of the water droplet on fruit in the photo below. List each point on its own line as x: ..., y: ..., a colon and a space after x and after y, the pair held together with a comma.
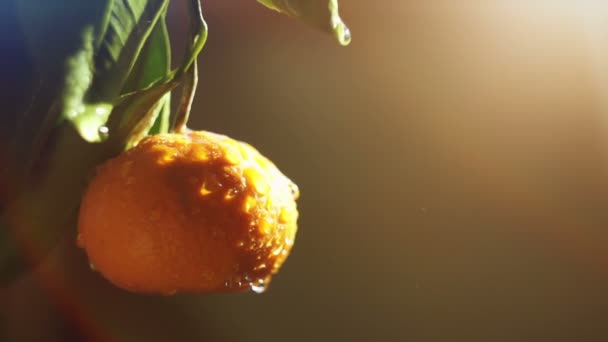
x: 205, y: 190
x: 210, y: 185
x: 286, y: 215
x: 259, y: 267
x: 295, y: 191
x: 231, y: 194
x: 265, y: 226
x: 258, y: 286
x: 232, y: 156
x: 277, y: 250
x: 232, y: 283
x: 250, y: 203
x: 201, y: 155
x: 257, y: 180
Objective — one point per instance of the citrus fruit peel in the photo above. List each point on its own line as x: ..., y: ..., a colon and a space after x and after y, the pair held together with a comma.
x: 188, y: 212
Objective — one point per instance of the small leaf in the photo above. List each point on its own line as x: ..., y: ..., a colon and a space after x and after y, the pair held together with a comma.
x: 322, y: 14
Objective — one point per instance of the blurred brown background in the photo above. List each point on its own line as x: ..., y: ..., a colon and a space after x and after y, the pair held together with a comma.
x: 453, y: 163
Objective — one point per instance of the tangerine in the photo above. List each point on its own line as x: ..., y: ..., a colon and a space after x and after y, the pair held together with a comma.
x: 193, y: 212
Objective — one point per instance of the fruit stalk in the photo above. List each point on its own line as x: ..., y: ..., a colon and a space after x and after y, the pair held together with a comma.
x: 198, y: 30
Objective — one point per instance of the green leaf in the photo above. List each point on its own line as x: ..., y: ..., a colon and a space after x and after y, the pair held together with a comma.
x: 153, y: 64
x: 136, y: 113
x: 87, y: 118
x: 126, y: 60
x: 53, y: 29
x: 161, y: 124
x: 105, y: 80
x: 80, y: 84
x: 189, y: 69
x: 322, y: 14
x: 84, y: 53
x: 129, y: 25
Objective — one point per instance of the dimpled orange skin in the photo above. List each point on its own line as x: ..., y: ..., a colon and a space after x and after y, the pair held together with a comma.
x: 192, y: 212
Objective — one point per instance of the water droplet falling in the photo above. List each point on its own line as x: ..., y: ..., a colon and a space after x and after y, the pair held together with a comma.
x: 346, y: 36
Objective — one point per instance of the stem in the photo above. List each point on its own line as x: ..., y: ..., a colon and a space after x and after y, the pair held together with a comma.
x: 185, y: 104
x: 189, y: 69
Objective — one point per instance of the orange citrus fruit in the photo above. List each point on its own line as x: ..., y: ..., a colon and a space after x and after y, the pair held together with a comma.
x: 191, y: 212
